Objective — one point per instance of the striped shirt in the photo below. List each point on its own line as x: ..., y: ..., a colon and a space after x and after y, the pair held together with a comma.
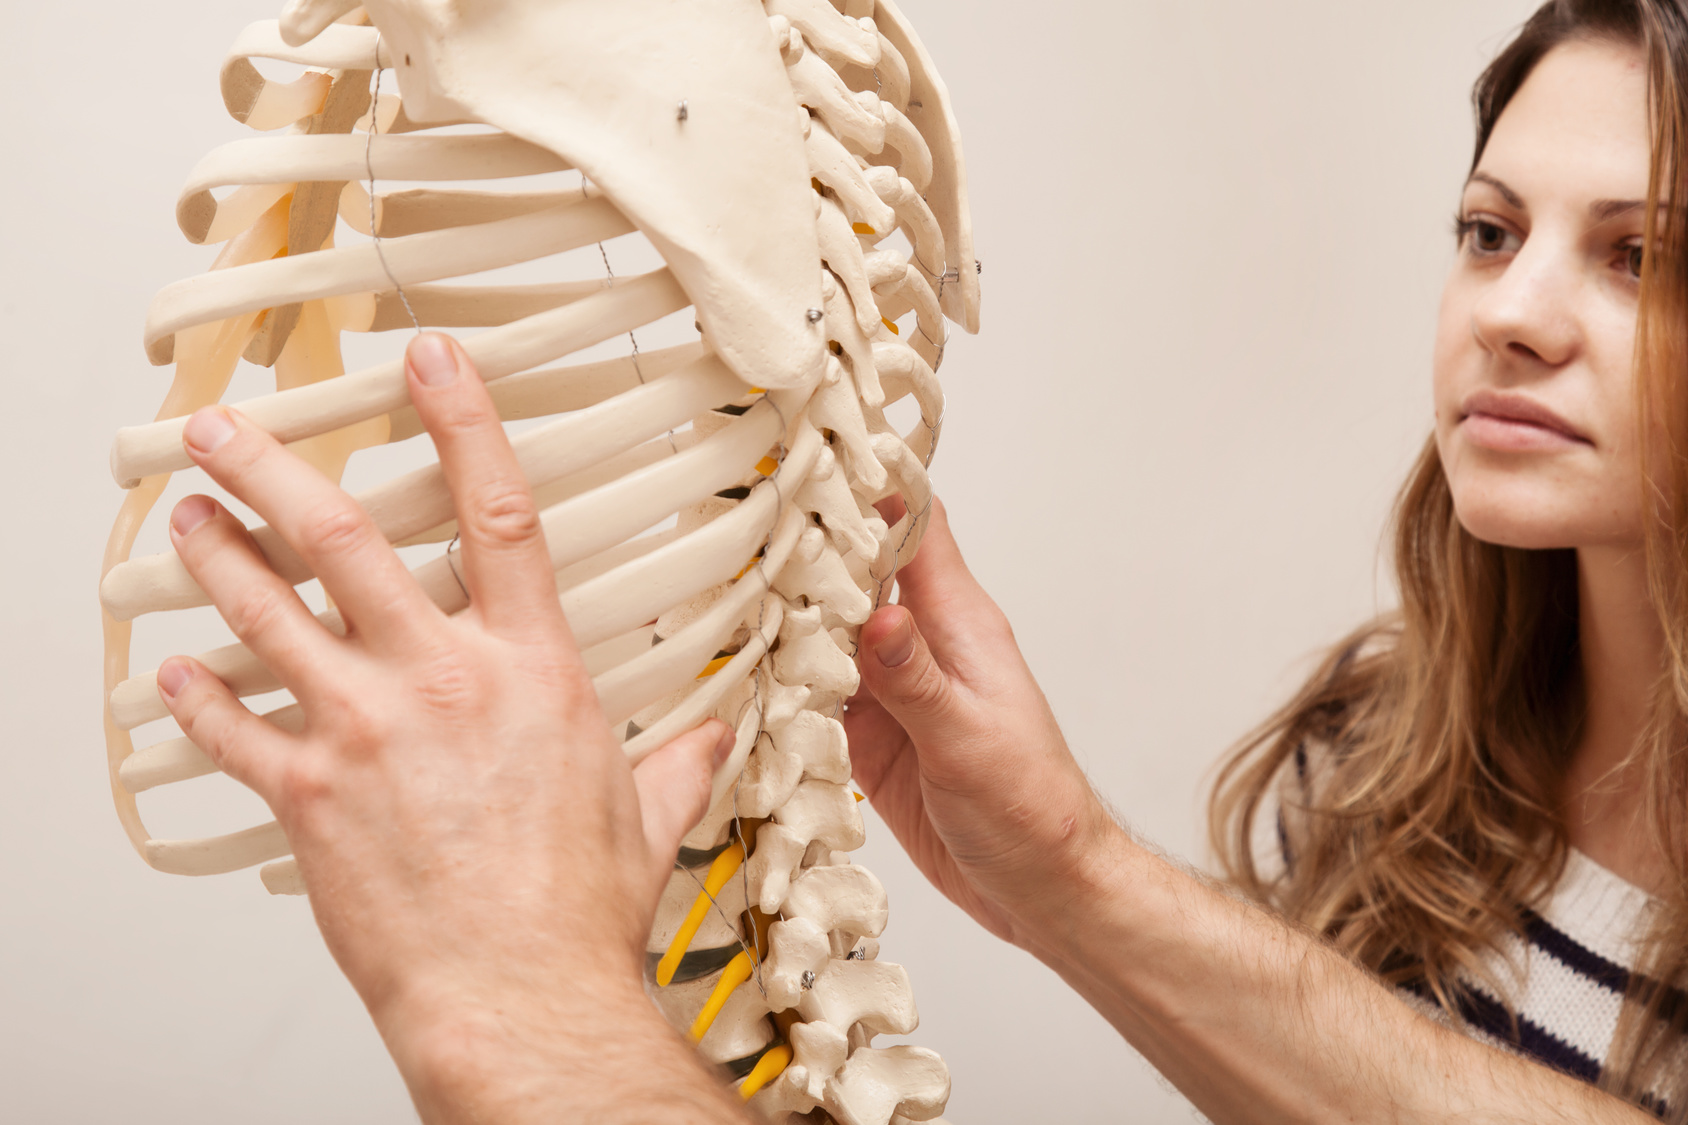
x: 1564, y: 977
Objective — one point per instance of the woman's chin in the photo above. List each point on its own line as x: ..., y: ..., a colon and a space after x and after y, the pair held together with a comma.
x: 1512, y: 525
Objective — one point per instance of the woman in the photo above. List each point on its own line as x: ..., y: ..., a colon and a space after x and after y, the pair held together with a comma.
x: 1523, y: 712
x: 1445, y: 775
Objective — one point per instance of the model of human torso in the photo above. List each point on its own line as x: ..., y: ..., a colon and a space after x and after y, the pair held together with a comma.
x: 708, y: 503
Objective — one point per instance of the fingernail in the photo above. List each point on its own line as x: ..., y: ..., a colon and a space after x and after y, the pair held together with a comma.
x: 724, y: 748
x: 898, y: 645
x: 173, y: 676
x: 208, y: 429
x: 432, y: 358
x: 190, y: 513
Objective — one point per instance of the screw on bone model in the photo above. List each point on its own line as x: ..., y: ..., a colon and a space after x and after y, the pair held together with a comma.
x: 752, y: 441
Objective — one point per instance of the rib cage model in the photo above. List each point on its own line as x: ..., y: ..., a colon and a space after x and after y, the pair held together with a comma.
x: 708, y: 505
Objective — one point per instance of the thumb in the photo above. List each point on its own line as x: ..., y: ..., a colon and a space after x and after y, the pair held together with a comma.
x: 674, y: 784
x: 898, y: 668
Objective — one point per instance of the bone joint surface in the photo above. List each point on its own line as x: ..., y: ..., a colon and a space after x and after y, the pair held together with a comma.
x: 708, y: 505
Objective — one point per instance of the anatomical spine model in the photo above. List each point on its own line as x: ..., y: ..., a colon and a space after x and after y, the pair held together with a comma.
x: 708, y: 505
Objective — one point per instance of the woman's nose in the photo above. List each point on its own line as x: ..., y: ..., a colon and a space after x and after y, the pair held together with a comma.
x: 1528, y: 313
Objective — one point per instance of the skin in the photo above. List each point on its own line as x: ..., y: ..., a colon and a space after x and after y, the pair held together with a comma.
x: 1540, y: 308
x: 507, y: 932
x: 1251, y: 1018
x: 500, y: 941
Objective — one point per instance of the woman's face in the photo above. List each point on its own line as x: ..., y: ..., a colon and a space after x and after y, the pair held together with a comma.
x: 1535, y: 406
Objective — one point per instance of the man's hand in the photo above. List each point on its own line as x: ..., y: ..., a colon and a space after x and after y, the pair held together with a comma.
x: 954, y: 743
x: 482, y: 861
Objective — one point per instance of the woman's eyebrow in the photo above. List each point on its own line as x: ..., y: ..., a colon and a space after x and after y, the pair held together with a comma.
x: 1506, y: 193
x: 1605, y: 210
x: 1601, y: 210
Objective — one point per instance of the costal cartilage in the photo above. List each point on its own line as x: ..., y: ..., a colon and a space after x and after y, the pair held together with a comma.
x: 777, y: 557
x: 418, y: 501
x: 143, y: 451
x: 575, y: 530
x: 409, y: 260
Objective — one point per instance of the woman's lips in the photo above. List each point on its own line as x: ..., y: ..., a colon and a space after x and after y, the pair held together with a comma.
x: 1514, y: 423
x: 1508, y: 435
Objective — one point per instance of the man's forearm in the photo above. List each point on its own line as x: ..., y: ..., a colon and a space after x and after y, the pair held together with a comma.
x: 1257, y: 1021
x: 543, y: 1060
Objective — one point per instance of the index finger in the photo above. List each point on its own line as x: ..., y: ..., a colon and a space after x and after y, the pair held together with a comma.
x: 333, y: 535
x: 506, y: 565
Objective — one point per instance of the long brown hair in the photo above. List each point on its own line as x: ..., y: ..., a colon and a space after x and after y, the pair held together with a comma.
x: 1421, y: 764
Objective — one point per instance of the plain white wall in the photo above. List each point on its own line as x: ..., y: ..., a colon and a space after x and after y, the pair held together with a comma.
x: 1212, y: 234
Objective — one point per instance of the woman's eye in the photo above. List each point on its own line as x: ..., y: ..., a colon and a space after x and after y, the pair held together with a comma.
x: 1487, y: 237
x: 1633, y: 259
x: 1484, y: 238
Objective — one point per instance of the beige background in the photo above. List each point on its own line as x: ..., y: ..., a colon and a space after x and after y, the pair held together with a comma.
x: 1213, y: 233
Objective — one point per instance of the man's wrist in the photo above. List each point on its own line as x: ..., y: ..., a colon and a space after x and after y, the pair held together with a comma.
x: 1141, y: 932
x: 578, y: 1049
x: 440, y: 1034
x: 1081, y: 899
x: 1126, y: 923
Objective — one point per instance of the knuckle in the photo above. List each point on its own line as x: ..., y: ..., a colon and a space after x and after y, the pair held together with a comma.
x: 363, y: 733
x: 258, y: 612
x: 306, y: 782
x: 360, y: 730
x: 504, y: 513
x: 928, y: 690
x: 996, y: 621
x: 447, y: 684
x: 334, y: 528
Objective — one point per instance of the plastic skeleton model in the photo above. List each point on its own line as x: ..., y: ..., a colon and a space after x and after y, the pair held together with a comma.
x: 708, y: 506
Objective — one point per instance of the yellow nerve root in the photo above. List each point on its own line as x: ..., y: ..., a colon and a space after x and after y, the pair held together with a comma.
x: 715, y: 665
x: 895, y: 331
x: 719, y: 872
x: 738, y: 971
x: 769, y: 1067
